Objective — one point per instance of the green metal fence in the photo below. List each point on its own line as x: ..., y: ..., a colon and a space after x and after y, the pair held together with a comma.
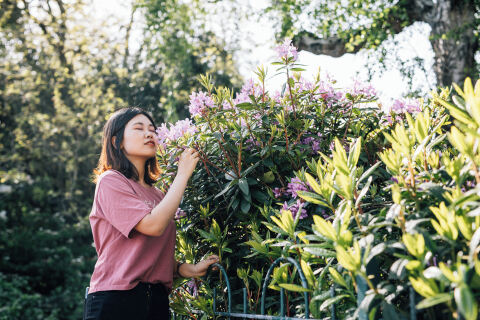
x: 228, y: 314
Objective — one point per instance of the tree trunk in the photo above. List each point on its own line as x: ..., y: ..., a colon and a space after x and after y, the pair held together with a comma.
x: 453, y: 40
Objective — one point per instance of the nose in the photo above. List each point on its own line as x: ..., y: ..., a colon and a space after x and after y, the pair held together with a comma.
x: 149, y: 134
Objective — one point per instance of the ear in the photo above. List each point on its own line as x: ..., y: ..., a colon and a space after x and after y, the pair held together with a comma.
x: 114, y: 138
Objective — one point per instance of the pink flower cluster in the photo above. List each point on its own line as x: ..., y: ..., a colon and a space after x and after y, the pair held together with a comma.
x: 248, y: 89
x: 199, y: 102
x: 406, y: 106
x: 400, y: 106
x: 295, y: 185
x: 295, y: 208
x: 175, y: 132
x: 360, y: 88
x: 287, y: 50
x: 313, y: 142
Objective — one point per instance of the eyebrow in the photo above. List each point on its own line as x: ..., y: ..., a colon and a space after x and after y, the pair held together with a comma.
x: 140, y: 123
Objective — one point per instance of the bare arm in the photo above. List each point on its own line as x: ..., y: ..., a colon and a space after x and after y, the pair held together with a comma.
x: 155, y: 223
x: 187, y: 270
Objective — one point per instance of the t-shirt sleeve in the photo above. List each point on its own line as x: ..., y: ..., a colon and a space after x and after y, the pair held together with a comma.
x: 119, y: 203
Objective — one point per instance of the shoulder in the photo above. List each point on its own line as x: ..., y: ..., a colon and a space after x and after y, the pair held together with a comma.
x: 112, y: 178
x: 111, y: 175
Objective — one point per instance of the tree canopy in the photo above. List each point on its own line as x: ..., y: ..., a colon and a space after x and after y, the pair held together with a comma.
x: 337, y: 27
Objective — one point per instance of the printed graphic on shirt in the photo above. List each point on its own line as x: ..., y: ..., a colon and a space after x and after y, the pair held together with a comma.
x: 150, y: 204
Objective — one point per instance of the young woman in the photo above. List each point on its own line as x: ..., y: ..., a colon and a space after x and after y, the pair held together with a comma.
x: 132, y: 224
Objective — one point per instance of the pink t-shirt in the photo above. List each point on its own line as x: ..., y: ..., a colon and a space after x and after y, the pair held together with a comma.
x: 126, y: 256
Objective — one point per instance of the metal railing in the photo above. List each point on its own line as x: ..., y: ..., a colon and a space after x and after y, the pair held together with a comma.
x: 361, y: 286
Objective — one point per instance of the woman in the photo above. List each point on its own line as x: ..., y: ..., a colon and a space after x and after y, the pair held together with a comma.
x: 132, y: 223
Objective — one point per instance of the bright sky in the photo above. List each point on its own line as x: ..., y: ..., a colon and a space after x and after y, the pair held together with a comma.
x: 256, y: 42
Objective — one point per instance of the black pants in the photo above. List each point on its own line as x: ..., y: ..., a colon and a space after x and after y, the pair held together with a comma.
x: 144, y: 302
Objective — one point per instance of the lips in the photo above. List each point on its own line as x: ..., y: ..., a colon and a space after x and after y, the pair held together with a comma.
x: 151, y: 143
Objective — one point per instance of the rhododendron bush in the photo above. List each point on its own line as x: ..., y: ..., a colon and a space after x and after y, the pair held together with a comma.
x: 362, y: 197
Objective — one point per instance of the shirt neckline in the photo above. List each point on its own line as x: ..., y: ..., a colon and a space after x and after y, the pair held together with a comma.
x: 138, y: 183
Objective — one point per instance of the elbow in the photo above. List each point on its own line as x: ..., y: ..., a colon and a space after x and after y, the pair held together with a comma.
x: 154, y: 232
x: 149, y: 228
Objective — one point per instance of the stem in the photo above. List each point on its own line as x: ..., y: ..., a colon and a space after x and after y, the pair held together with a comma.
x: 286, y: 136
x: 223, y: 149
x: 291, y: 95
x: 239, y: 159
x: 348, y: 125
x: 370, y: 284
x: 401, y: 217
x: 205, y: 159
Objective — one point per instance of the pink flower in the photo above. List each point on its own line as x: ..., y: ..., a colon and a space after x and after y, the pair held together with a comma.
x: 295, y: 185
x: 277, y: 96
x: 406, y: 106
x: 249, y: 88
x: 295, y: 208
x: 241, y: 98
x: 175, y: 132
x: 359, y: 88
x: 180, y: 214
x: 192, y: 285
x: 277, y: 192
x: 287, y: 50
x: 199, y: 102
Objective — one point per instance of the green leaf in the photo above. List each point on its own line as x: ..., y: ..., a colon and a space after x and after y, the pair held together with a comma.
x: 466, y: 302
x: 363, y: 192
x: 227, y: 188
x: 243, y: 184
x: 244, y: 105
x: 307, y: 271
x: 368, y: 173
x: 293, y: 287
x: 327, y: 303
x: 311, y: 197
x: 325, y: 228
x: 319, y: 252
x: 354, y: 154
x: 206, y: 235
x: 337, y: 277
x: 432, y: 301
x: 245, y: 206
x: 313, y: 183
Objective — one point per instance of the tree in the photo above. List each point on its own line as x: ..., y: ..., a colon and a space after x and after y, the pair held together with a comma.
x: 60, y: 77
x: 181, y: 49
x: 339, y: 26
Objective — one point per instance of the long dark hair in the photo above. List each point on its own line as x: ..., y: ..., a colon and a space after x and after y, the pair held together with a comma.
x: 112, y: 156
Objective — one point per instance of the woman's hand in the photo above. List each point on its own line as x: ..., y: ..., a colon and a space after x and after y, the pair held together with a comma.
x: 202, y: 266
x: 187, y: 162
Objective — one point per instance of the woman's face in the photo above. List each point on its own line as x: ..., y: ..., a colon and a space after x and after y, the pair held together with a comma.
x: 139, y: 138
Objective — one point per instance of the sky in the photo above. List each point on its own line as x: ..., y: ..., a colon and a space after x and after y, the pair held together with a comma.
x: 254, y: 42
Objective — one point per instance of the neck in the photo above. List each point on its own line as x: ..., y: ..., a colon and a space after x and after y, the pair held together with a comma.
x: 140, y: 166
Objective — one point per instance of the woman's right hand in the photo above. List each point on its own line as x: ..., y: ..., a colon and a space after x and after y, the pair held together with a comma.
x: 187, y: 162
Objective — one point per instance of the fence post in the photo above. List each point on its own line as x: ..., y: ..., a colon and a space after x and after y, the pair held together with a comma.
x: 332, y: 308
x: 361, y: 288
x: 413, y: 310
x: 244, y: 301
x: 266, y: 281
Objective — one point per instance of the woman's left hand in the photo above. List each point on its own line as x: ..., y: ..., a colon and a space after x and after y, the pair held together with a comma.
x: 202, y: 266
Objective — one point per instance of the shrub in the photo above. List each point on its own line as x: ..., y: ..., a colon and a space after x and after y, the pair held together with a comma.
x: 357, y: 196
